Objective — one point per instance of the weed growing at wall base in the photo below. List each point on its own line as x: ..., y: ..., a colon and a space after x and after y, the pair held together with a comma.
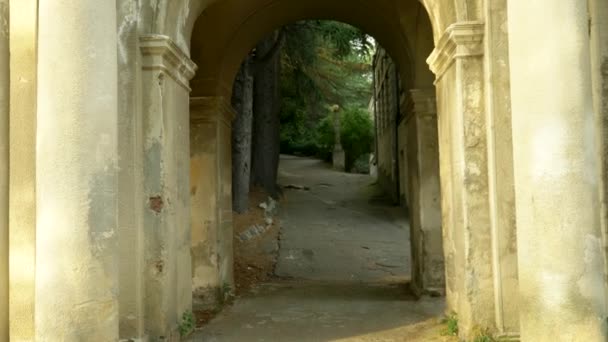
x: 451, y: 325
x: 483, y: 335
x: 186, y: 326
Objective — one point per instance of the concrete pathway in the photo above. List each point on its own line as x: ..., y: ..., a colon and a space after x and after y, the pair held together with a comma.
x: 343, y: 262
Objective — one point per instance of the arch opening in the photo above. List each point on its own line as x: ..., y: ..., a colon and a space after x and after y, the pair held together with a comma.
x: 220, y: 52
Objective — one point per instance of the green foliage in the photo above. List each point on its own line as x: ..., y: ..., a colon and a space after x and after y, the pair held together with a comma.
x: 483, y: 335
x: 451, y: 325
x: 187, y: 325
x: 357, y: 135
x: 325, y: 63
x: 227, y: 294
x: 361, y: 165
x: 484, y: 338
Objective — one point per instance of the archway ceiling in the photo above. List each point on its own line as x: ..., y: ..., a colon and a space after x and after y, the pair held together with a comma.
x: 228, y: 29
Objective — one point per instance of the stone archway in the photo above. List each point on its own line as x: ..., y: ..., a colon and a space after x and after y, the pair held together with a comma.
x: 141, y: 171
x: 471, y: 209
x: 211, y: 112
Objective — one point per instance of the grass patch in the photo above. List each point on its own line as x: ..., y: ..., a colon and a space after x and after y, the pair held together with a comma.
x: 187, y: 325
x: 451, y: 328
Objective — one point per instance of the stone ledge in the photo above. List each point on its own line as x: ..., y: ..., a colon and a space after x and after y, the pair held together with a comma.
x: 211, y: 108
x: 464, y: 39
x: 161, y: 53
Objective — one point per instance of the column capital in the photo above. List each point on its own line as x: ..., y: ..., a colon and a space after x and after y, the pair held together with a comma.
x: 161, y: 53
x: 211, y: 108
x: 425, y: 103
x: 462, y: 39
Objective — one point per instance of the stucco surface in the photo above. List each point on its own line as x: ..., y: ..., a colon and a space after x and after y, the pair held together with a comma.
x: 501, y: 188
x: 76, y: 161
x: 22, y: 187
x: 115, y: 168
x: 166, y: 127
x: 425, y: 198
x: 562, y: 289
x: 4, y: 168
x: 208, y: 170
x: 130, y: 173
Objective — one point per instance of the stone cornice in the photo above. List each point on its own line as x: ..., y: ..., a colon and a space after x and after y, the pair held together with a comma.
x: 425, y: 103
x: 161, y: 53
x: 211, y: 109
x: 463, y: 39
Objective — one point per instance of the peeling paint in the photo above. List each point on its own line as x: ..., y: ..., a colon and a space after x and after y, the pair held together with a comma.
x: 156, y: 204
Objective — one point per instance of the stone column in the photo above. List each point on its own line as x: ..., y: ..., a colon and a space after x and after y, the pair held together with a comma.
x: 561, y: 265
x: 425, y: 206
x: 458, y: 64
x: 76, y: 158
x: 4, y: 162
x: 211, y: 191
x: 167, y: 261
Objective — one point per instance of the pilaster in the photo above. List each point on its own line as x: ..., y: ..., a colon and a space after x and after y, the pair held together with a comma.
x: 459, y: 67
x: 460, y: 40
x: 211, y: 191
x: 160, y: 53
x: 166, y: 71
x: 428, y: 275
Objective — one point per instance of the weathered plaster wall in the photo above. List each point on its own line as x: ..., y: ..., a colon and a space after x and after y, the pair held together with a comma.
x: 211, y: 165
x: 599, y: 64
x: 561, y: 259
x: 500, y: 168
x: 76, y: 173
x: 22, y: 212
x: 4, y: 168
x: 450, y: 232
x: 167, y: 260
x: 459, y: 65
x: 428, y: 271
x: 204, y: 178
x: 130, y: 173
x: 470, y: 186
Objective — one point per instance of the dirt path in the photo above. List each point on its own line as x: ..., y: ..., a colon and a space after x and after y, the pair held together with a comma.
x: 342, y: 264
x: 340, y: 229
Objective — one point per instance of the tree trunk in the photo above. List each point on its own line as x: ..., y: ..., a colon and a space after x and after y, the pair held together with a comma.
x: 266, y: 107
x: 242, y: 101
